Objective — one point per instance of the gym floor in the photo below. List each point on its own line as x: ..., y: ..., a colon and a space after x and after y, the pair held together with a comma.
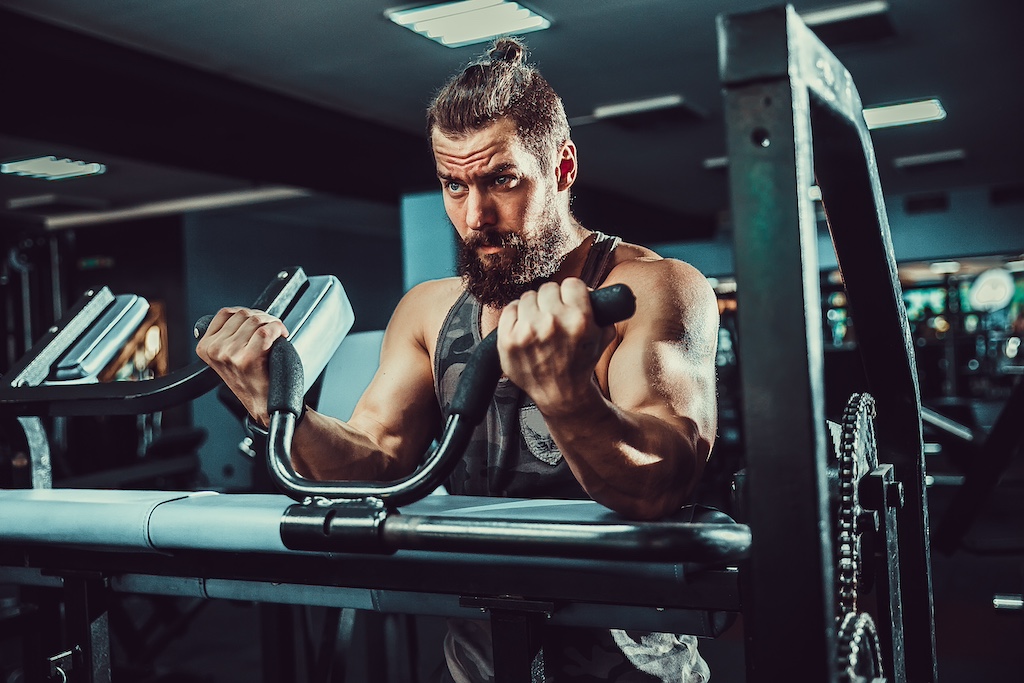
x: 975, y: 643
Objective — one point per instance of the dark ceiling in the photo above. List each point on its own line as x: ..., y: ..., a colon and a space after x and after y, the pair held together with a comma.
x: 251, y: 99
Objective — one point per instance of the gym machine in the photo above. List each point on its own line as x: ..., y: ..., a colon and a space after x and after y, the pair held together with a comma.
x: 383, y: 547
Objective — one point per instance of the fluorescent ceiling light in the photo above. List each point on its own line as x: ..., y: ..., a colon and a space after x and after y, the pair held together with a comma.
x: 608, y: 111
x: 832, y: 15
x: 903, y: 114
x: 455, y: 24
x: 51, y: 168
x: 929, y: 158
x: 170, y: 207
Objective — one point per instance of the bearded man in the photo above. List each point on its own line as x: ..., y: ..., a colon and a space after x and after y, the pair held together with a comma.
x: 624, y: 415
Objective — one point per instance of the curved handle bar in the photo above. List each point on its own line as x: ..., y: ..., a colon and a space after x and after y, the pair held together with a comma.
x: 469, y: 405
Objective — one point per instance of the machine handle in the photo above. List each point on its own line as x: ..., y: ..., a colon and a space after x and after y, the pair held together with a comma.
x: 483, y: 369
x: 202, y: 325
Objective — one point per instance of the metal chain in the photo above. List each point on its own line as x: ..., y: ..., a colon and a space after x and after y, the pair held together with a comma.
x: 856, y: 458
x: 858, y: 656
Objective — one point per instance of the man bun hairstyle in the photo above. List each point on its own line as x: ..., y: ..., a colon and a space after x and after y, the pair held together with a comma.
x: 501, y: 84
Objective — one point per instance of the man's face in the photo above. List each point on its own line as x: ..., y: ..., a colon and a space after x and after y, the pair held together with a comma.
x: 503, y: 205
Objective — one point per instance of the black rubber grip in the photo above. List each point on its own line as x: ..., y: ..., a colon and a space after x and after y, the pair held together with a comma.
x: 482, y: 371
x: 612, y: 304
x: 203, y: 324
x: 287, y: 379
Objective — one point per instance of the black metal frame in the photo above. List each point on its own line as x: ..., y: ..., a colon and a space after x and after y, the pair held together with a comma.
x: 783, y: 87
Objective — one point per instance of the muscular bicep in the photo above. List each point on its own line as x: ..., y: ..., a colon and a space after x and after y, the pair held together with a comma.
x: 398, y: 409
x: 664, y: 364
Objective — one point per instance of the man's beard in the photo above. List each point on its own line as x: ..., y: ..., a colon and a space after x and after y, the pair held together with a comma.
x: 523, y: 264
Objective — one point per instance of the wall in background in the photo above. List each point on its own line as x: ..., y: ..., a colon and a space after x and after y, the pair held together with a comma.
x: 428, y: 239
x: 969, y: 225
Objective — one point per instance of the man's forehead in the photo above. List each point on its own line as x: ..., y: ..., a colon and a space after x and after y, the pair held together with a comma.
x: 495, y: 145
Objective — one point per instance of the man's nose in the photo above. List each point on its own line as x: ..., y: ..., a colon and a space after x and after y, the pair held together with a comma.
x: 480, y: 211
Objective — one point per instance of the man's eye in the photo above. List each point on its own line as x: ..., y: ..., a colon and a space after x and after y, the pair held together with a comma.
x: 503, y: 180
x: 453, y: 186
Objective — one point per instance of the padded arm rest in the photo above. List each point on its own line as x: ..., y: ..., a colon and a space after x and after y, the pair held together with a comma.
x: 83, y: 517
x: 206, y: 521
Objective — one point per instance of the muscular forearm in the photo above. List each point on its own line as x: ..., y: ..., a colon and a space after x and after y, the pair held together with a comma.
x: 637, y: 464
x: 324, y: 448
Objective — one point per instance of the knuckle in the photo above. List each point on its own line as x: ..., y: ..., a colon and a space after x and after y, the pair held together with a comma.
x: 267, y: 332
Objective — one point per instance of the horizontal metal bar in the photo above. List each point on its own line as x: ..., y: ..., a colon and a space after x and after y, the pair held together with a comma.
x: 611, y: 612
x: 944, y: 424
x: 635, y: 541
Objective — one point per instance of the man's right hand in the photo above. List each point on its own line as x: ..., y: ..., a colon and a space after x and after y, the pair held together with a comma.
x: 236, y: 345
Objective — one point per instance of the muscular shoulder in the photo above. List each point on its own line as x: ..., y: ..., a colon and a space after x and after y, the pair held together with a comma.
x: 640, y: 267
x: 422, y: 309
x: 667, y: 290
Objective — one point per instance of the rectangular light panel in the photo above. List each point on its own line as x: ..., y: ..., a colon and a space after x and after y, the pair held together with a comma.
x: 636, y: 107
x: 51, y: 168
x: 832, y: 15
x: 454, y: 24
x: 904, y: 114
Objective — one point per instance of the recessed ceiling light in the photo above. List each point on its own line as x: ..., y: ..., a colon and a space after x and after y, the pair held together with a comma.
x: 903, y: 114
x: 608, y: 111
x: 455, y: 24
x: 51, y: 168
x: 831, y: 15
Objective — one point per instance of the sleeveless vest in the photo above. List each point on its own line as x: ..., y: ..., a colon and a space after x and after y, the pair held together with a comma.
x: 511, y: 453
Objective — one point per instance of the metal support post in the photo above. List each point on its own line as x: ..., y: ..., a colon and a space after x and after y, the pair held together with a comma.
x: 516, y: 626
x: 781, y: 358
x: 88, y: 629
x: 781, y: 85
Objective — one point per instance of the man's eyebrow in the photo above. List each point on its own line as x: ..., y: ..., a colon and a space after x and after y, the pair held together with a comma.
x: 501, y: 168
x: 497, y: 170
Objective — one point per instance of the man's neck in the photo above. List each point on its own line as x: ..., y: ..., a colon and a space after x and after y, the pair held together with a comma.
x: 579, y: 244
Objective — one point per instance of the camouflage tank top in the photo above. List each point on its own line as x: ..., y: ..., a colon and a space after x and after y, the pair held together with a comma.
x: 512, y: 454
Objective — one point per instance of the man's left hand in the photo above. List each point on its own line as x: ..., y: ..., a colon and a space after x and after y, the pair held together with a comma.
x: 549, y: 344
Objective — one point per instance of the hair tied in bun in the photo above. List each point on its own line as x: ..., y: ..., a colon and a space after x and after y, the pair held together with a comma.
x: 507, y: 50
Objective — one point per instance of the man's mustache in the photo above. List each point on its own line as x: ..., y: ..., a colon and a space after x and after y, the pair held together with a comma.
x: 494, y: 239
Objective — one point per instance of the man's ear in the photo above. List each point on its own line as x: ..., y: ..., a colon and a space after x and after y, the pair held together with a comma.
x: 565, y: 172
